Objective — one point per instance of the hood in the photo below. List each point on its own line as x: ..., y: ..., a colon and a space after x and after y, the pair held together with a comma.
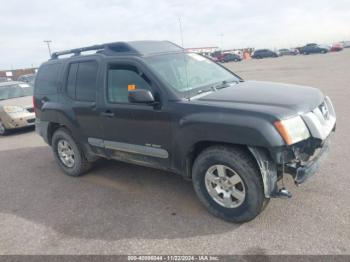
x: 25, y: 101
x: 275, y: 99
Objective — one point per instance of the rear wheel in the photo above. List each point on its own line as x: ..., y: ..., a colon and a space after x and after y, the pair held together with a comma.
x: 68, y: 154
x: 228, y: 183
x: 3, y: 130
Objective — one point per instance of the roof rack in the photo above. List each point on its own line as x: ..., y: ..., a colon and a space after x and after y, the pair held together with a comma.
x: 111, y: 47
x: 133, y: 47
x: 77, y: 51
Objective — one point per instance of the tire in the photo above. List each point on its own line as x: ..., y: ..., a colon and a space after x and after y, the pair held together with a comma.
x: 242, y: 164
x: 3, y: 130
x: 80, y: 164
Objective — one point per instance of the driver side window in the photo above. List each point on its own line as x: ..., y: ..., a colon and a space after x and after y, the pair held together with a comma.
x: 120, y: 79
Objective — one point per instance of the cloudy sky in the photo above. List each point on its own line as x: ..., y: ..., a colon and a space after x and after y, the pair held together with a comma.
x: 254, y: 23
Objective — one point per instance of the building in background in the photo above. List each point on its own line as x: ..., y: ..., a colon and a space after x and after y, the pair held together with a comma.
x: 14, y: 74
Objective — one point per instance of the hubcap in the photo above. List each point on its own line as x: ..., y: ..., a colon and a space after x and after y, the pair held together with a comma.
x: 225, y: 186
x: 2, y: 128
x: 65, y: 153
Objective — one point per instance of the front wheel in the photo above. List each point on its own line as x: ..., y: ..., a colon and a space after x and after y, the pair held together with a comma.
x: 3, y: 130
x: 228, y: 182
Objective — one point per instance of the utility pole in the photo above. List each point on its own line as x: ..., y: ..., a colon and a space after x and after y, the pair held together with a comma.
x: 181, y: 34
x: 222, y: 41
x: 48, y: 45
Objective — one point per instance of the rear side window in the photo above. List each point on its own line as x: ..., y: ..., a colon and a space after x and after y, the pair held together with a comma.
x: 71, y: 81
x: 81, y: 81
x: 46, y: 81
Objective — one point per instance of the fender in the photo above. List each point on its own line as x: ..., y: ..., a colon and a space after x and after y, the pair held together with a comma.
x: 268, y: 170
x: 228, y: 128
x: 59, y: 114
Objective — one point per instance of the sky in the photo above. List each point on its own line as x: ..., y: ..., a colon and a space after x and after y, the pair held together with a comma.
x: 24, y: 25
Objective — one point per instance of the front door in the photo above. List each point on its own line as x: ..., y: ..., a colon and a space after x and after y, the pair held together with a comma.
x: 134, y: 132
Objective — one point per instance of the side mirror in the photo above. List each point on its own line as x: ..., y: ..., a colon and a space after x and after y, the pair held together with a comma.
x: 140, y: 96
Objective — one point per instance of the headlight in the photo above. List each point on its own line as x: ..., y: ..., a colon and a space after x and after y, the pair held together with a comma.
x: 292, y: 130
x: 13, y: 109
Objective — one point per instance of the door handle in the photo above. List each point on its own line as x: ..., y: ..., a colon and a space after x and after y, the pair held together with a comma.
x: 107, y: 113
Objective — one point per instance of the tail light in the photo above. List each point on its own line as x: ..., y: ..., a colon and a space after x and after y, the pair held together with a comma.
x: 34, y: 105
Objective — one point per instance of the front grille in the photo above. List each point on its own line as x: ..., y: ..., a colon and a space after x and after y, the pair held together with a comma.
x: 321, y: 121
x: 30, y: 109
x: 30, y: 121
x: 324, y: 110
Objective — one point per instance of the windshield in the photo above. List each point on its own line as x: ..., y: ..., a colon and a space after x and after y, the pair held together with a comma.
x: 15, y: 90
x: 189, y: 71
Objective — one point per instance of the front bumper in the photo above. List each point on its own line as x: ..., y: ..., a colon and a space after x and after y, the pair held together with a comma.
x: 303, y: 171
x: 12, y: 121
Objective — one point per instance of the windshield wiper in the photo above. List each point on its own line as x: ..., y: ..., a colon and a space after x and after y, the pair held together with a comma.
x: 211, y: 89
x: 225, y: 84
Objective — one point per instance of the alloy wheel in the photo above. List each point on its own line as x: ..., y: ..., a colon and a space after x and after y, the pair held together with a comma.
x: 225, y: 186
x: 2, y: 128
x: 66, y: 153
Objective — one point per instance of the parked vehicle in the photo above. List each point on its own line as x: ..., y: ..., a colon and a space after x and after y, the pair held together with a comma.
x: 3, y: 79
x: 154, y: 104
x: 314, y: 49
x: 263, y: 53
x: 285, y: 51
x: 16, y: 108
x: 346, y: 44
x: 336, y: 47
x: 29, y: 78
x: 228, y: 57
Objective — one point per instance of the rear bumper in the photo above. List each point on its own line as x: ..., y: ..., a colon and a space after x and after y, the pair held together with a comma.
x: 41, y: 127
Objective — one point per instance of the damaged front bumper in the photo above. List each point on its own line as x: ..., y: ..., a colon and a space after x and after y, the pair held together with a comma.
x: 300, y: 168
x: 300, y: 160
x: 302, y: 171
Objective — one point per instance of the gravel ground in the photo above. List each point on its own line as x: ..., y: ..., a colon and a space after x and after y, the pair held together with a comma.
x: 125, y: 209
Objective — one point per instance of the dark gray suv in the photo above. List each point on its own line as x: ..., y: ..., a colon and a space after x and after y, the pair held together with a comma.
x: 154, y: 104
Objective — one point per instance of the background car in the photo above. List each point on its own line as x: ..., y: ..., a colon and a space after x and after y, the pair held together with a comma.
x: 263, y: 53
x: 228, y: 57
x: 16, y: 106
x: 346, y: 44
x: 29, y: 78
x: 3, y: 79
x: 285, y: 51
x: 314, y: 49
x: 336, y: 47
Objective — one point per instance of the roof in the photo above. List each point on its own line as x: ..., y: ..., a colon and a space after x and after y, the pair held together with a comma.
x: 140, y: 48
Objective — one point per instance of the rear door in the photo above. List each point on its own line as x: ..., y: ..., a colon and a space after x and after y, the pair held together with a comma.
x: 80, y: 96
